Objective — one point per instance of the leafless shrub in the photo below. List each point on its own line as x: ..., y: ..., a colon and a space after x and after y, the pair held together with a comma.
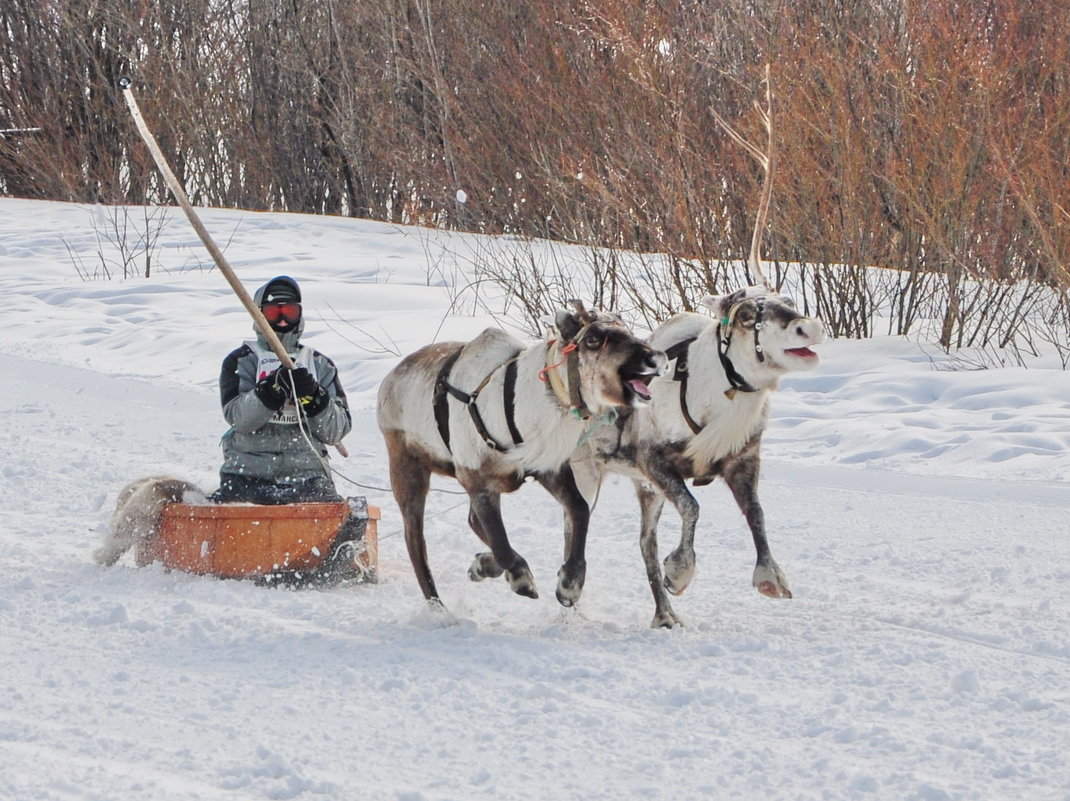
x: 362, y: 339
x: 127, y: 242
x: 1053, y: 326
x: 930, y: 138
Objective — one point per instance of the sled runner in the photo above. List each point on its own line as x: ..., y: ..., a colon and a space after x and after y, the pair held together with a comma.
x: 293, y: 543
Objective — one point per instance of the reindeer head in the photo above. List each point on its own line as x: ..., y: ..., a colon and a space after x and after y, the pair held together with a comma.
x: 608, y: 366
x: 763, y: 333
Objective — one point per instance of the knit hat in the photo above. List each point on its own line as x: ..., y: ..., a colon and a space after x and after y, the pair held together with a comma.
x: 281, y: 290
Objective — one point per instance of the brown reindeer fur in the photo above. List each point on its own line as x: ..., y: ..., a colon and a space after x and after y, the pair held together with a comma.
x: 612, y: 369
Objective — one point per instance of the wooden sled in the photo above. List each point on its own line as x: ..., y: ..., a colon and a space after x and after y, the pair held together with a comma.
x: 292, y: 543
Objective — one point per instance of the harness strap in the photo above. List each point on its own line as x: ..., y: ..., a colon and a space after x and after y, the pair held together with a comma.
x: 737, y: 381
x: 439, y: 401
x: 679, y: 353
x: 509, y: 399
x: 573, y: 366
x: 557, y: 386
x: 443, y: 388
x: 759, y: 323
x: 569, y: 397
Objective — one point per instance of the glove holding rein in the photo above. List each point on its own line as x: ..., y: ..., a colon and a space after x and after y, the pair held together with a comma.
x: 299, y: 385
x: 270, y: 391
x: 306, y: 391
x: 274, y: 389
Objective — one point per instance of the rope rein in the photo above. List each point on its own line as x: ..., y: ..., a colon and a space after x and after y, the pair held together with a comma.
x: 302, y: 420
x: 544, y: 373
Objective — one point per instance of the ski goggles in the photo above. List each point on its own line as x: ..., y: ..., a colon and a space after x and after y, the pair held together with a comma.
x: 290, y: 312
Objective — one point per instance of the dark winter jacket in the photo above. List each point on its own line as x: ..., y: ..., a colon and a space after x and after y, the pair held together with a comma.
x: 266, y: 444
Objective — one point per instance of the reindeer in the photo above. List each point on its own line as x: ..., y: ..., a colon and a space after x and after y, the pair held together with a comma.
x: 706, y: 419
x: 492, y: 412
x: 138, y: 511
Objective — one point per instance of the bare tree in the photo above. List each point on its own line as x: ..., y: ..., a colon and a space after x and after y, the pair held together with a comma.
x: 930, y: 139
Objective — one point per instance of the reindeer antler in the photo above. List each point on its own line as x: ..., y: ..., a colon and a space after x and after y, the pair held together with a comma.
x: 766, y: 160
x: 584, y: 313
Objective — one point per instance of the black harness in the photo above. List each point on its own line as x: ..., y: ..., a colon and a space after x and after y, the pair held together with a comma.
x: 443, y: 389
x: 737, y: 381
x: 724, y: 339
x: 440, y: 403
x: 679, y: 354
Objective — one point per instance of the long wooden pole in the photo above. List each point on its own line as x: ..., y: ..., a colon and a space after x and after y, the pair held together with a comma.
x: 180, y: 194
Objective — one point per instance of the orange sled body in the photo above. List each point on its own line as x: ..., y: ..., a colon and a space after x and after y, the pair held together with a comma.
x: 299, y: 541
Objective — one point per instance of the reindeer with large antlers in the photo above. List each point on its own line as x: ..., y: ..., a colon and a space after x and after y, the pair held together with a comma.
x: 492, y: 412
x: 707, y: 415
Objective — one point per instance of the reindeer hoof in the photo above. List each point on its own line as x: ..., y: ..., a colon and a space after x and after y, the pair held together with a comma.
x: 527, y: 591
x: 567, y: 596
x: 672, y: 588
x: 770, y: 581
x: 771, y: 590
x: 679, y: 570
x: 522, y: 583
x: 570, y: 586
x: 483, y: 567
x: 665, y: 620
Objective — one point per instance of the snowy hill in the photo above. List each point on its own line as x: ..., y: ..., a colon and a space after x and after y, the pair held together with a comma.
x: 920, y: 515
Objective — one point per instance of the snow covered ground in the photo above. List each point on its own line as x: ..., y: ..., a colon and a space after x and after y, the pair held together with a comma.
x: 921, y: 516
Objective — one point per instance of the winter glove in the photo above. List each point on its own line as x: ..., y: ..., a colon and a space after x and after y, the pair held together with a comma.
x: 312, y: 397
x: 303, y: 382
x: 269, y: 392
x: 315, y: 404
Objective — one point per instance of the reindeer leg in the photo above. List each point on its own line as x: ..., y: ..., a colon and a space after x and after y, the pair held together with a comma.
x: 680, y: 564
x: 484, y: 566
x: 487, y: 509
x: 573, y: 573
x: 741, y: 475
x: 651, y: 503
x: 410, y: 478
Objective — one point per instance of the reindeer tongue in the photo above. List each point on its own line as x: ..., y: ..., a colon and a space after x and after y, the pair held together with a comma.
x: 640, y: 388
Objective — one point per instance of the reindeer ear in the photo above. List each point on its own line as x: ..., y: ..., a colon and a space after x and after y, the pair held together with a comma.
x: 720, y: 305
x: 549, y: 326
x: 568, y: 324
